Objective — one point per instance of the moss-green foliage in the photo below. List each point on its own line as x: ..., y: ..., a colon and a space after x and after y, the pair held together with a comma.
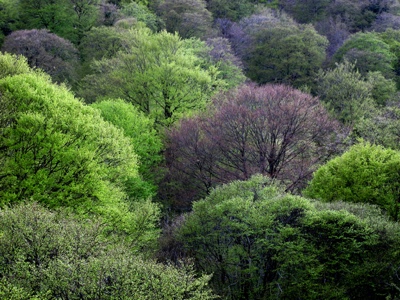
x: 365, y: 174
x: 60, y: 152
x: 142, y: 14
x: 345, y: 92
x: 261, y: 243
x: 69, y: 19
x: 11, y: 64
x: 369, y: 52
x: 290, y: 54
x: 351, y: 96
x: 140, y: 129
x: 48, y: 255
x: 382, y: 127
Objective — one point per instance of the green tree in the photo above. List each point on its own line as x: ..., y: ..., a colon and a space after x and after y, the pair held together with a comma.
x: 382, y: 127
x: 369, y: 52
x: 142, y: 14
x: 54, y: 255
x: 189, y: 18
x: 140, y: 129
x: 261, y: 243
x: 233, y: 10
x: 9, y: 17
x: 364, y: 174
x: 157, y: 73
x: 305, y: 11
x: 60, y: 152
x: 290, y: 54
x: 345, y: 92
x: 69, y: 19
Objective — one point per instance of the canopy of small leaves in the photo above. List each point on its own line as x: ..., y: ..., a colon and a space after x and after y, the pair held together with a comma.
x: 382, y: 127
x: 47, y: 255
x: 233, y: 10
x: 142, y: 14
x: 364, y: 174
x: 345, y: 92
x: 189, y: 18
x: 274, y: 130
x: 140, y: 129
x: 290, y: 54
x: 60, y: 152
x: 261, y: 243
x: 369, y: 52
x: 47, y: 51
x: 158, y: 73
x: 69, y: 19
x: 305, y: 11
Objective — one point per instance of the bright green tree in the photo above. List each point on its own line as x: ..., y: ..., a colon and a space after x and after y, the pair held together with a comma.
x: 60, y: 152
x: 261, y: 243
x: 364, y: 174
x: 157, y: 73
x: 140, y: 129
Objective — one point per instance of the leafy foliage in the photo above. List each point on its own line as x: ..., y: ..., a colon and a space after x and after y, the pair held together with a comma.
x: 382, y: 127
x: 273, y: 130
x: 364, y: 174
x: 69, y: 19
x: 189, y: 18
x: 140, y: 129
x: 57, y: 151
x: 345, y: 92
x: 285, y: 53
x: 263, y: 244
x: 55, y: 256
x: 157, y: 73
x: 369, y: 53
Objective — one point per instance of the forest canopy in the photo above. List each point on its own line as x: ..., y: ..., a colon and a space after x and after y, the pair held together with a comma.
x: 199, y: 149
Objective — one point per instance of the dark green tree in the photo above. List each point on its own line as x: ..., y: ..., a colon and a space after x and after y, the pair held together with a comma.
x: 261, y: 243
x: 290, y: 54
x: 189, y: 18
x: 369, y: 52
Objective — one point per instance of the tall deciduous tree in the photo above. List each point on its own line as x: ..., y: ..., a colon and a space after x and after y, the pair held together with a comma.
x: 60, y: 152
x: 369, y: 52
x: 140, y: 129
x: 54, y: 55
x: 67, y: 18
x: 275, y: 49
x: 274, y: 130
x: 188, y: 17
x: 54, y: 255
x: 158, y: 73
x: 345, y: 92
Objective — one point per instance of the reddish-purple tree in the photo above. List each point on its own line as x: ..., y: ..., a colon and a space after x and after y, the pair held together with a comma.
x: 274, y: 130
x: 45, y: 50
